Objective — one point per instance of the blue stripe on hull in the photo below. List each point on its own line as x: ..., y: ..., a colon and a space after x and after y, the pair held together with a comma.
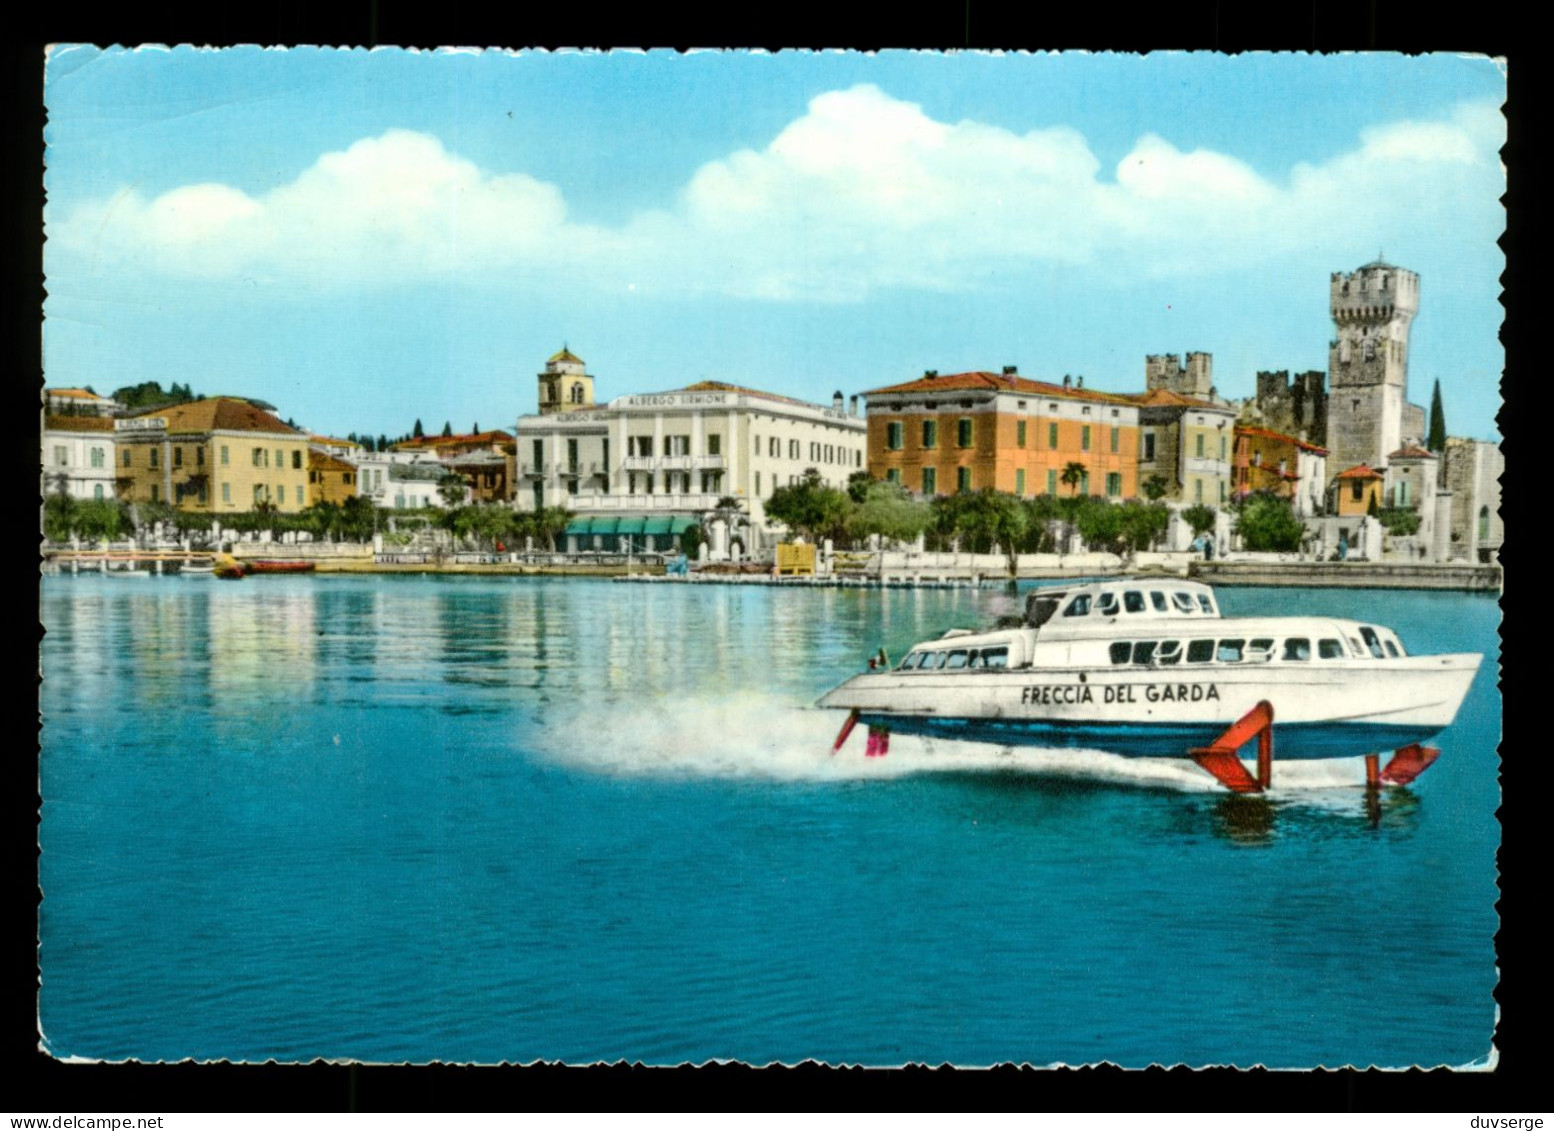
x: 1290, y: 740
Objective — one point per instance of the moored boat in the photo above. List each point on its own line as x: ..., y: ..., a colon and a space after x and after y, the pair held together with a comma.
x: 1149, y: 668
x: 271, y: 565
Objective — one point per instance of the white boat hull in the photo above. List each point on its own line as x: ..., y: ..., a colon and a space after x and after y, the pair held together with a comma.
x: 1320, y: 711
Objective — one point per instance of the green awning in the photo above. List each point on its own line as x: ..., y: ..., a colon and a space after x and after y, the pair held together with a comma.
x: 658, y: 524
x: 579, y: 526
x: 680, y: 524
x: 630, y: 526
x: 604, y: 525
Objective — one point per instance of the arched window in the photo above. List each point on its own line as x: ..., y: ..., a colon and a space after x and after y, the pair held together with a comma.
x: 577, y: 394
x: 1483, y: 524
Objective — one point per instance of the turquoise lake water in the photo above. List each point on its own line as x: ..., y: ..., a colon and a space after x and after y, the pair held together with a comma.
x: 480, y: 820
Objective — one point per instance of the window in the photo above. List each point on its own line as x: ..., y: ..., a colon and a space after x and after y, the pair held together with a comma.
x: 1084, y: 438
x: 1222, y: 442
x: 957, y: 659
x: 714, y: 444
x: 963, y: 478
x: 1079, y: 606
x: 1297, y: 648
x: 1106, y: 604
x: 575, y: 394
x: 995, y: 657
x: 97, y: 457
x: 155, y: 457
x: 1116, y: 438
x: 774, y: 448
x: 258, y: 492
x: 226, y: 491
x: 1197, y: 490
x: 1229, y: 651
x: 280, y: 458
x: 1052, y: 434
x: 1158, y: 599
x: 225, y: 454
x: 793, y: 449
x: 199, y: 456
x: 1120, y: 652
x: 1133, y: 601
x: 296, y: 459
x: 1183, y: 601
x: 280, y: 493
x: 1483, y: 523
x: 1052, y: 482
x: 893, y: 432
x: 312, y: 477
x: 677, y: 445
x: 963, y: 432
x: 1373, y: 642
x: 1259, y: 651
x: 97, y: 491
x: 930, y: 433
x: 910, y: 661
x: 177, y: 457
x: 1170, y: 653
x: 1019, y: 481
x: 1221, y: 492
x: 572, y: 455
x: 154, y: 491
x: 1198, y: 445
x: 814, y: 452
x: 1357, y: 490
x: 1392, y: 649
x: 893, y: 475
x: 1019, y: 434
x: 1144, y: 652
x: 1113, y: 483
x: 126, y: 457
x: 1200, y: 651
x: 61, y: 456
x: 1205, y: 604
x: 758, y: 484
x: 930, y: 481
x: 258, y: 454
x: 1149, y: 445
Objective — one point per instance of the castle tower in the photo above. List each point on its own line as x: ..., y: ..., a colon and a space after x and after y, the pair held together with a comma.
x: 1165, y: 371
x: 1367, y: 363
x: 564, y: 387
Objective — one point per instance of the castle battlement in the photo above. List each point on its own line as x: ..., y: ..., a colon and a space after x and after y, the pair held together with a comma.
x: 1377, y: 292
x: 1166, y: 371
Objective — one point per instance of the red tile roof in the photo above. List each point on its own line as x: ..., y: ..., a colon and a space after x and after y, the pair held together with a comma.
x: 323, y: 461
x: 228, y: 414
x: 1269, y: 434
x: 332, y: 440
x: 1360, y: 471
x: 53, y: 423
x: 463, y: 439
x: 998, y: 382
x: 1158, y: 397
x: 1409, y: 451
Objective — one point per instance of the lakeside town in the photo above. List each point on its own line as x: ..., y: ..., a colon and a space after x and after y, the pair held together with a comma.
x: 1315, y: 478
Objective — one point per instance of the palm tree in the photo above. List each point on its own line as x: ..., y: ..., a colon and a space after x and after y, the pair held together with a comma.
x: 1074, y: 473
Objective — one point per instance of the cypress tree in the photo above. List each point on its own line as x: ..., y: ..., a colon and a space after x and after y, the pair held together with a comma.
x: 419, y: 431
x: 447, y: 428
x: 1437, y: 440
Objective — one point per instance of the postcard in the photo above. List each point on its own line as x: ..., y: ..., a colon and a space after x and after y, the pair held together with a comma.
x: 664, y: 558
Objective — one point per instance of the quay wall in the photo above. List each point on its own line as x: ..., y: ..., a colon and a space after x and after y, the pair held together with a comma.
x: 1351, y: 575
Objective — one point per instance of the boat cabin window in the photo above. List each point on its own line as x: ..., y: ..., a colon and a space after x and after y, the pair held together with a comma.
x: 1184, y: 601
x: 1229, y: 651
x: 1393, y: 649
x: 1200, y: 651
x: 1259, y: 651
x: 911, y: 660
x: 957, y: 659
x: 1106, y: 603
x: 1373, y: 642
x: 1330, y: 649
x: 1297, y: 648
x: 1205, y: 604
x: 1039, y: 610
x: 1121, y: 651
x: 1158, y: 599
x: 1355, y: 649
x: 1079, y: 606
x: 1144, y: 652
x: 1170, y: 652
x: 1133, y: 601
x: 995, y: 657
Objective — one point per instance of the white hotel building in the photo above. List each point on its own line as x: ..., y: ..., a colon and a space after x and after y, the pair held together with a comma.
x: 667, y: 458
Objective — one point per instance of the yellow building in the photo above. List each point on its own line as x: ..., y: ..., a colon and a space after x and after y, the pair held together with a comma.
x: 217, y: 455
x: 1356, y: 491
x: 1186, y: 441
x: 966, y: 431
x: 330, y: 479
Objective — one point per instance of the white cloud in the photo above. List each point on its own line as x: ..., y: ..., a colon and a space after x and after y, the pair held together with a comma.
x: 863, y: 191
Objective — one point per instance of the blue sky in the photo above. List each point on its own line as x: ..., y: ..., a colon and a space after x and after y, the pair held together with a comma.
x: 365, y: 238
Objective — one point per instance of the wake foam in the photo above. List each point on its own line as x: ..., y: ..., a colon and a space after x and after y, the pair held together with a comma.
x: 752, y: 736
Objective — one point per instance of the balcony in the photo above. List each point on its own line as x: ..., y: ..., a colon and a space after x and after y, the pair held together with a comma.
x: 626, y: 504
x: 639, y: 463
x: 676, y: 463
x: 709, y: 463
x: 535, y: 470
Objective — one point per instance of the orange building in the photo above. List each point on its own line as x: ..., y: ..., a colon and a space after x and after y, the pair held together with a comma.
x: 966, y: 431
x: 1270, y: 461
x: 1356, y: 491
x: 330, y: 478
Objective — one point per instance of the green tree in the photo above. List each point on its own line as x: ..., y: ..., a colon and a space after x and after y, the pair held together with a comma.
x: 453, y: 489
x: 1199, y: 518
x: 546, y: 525
x: 979, y: 519
x: 1100, y: 524
x: 358, y: 520
x: 1074, y: 473
x: 1041, y: 511
x: 1437, y: 440
x: 447, y: 428
x: 809, y: 507
x: 1143, y: 524
x: 887, y: 509
x: 1400, y: 521
x: 691, y: 539
x: 1268, y: 523
x: 858, y: 485
x: 1155, y: 487
x: 418, y: 431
